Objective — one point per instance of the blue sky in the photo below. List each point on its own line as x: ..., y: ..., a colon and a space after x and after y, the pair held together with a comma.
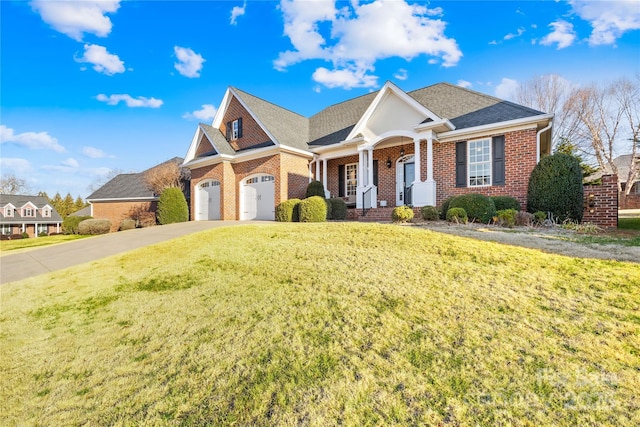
x: 88, y: 87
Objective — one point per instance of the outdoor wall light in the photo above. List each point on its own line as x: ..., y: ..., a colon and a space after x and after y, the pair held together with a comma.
x: 388, y: 162
x: 401, y: 152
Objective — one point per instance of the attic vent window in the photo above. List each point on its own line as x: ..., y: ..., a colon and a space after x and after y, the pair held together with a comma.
x: 234, y: 129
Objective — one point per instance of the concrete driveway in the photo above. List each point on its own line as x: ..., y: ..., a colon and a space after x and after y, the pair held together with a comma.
x: 33, y: 262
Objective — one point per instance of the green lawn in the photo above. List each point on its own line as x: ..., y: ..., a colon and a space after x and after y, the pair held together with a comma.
x: 324, y: 324
x: 629, y: 223
x: 9, y: 246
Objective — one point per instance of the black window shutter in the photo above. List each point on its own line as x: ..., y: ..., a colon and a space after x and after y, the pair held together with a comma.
x: 341, y: 181
x: 498, y: 160
x: 375, y: 173
x: 228, y: 131
x: 240, y: 127
x: 461, y: 164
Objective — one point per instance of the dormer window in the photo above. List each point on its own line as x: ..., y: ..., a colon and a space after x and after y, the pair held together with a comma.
x: 8, y: 211
x: 234, y: 129
x: 46, y: 212
x: 28, y: 212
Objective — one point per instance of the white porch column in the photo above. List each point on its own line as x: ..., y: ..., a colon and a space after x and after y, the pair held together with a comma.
x: 324, y: 178
x: 370, y: 167
x: 317, y: 170
x: 416, y: 161
x: 35, y: 234
x: 430, y: 159
x: 424, y: 192
x: 360, y: 179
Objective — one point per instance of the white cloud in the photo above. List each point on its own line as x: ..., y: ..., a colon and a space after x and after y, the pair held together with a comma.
x: 190, y: 63
x: 401, y: 74
x: 506, y: 89
x: 74, y: 18
x: 206, y: 113
x: 464, y: 83
x: 16, y: 165
x: 236, y: 12
x: 358, y: 36
x: 140, y: 101
x: 103, y: 61
x: 71, y: 162
x: 31, y: 140
x: 514, y: 35
x: 344, y: 78
x: 562, y: 34
x: 95, y: 153
x: 609, y: 19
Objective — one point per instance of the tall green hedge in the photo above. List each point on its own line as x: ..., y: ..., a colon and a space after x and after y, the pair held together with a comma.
x: 555, y: 186
x: 506, y: 202
x: 313, y: 209
x: 70, y: 223
x: 285, y: 210
x: 477, y: 206
x: 172, y: 207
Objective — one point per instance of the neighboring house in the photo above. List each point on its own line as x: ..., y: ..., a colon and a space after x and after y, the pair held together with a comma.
x: 86, y: 211
x: 623, y: 163
x: 33, y: 215
x: 127, y: 196
x: 386, y: 148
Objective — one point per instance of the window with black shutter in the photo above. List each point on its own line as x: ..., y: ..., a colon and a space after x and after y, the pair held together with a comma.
x: 461, y: 164
x: 341, y: 186
x: 498, y: 160
x: 375, y: 173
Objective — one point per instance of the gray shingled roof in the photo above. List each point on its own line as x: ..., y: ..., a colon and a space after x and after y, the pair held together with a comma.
x: 622, y: 162
x: 217, y: 139
x: 334, y: 123
x: 128, y: 185
x: 19, y: 201
x: 288, y: 128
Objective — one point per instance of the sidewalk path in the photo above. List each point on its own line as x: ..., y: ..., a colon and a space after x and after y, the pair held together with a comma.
x: 42, y: 260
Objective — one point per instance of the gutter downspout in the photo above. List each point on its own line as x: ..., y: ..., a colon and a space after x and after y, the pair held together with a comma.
x: 315, y: 160
x: 538, y: 140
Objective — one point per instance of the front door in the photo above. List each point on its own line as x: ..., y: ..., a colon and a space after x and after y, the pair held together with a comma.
x: 405, y: 175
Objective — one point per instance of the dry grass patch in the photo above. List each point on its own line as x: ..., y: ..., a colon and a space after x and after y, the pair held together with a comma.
x: 322, y: 324
x: 11, y: 246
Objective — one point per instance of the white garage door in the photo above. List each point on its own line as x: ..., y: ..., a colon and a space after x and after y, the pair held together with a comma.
x: 257, y: 195
x: 208, y: 201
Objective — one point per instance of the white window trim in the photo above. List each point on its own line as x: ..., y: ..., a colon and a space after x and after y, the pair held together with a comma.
x: 6, y: 229
x: 8, y: 212
x: 235, y: 129
x: 28, y: 212
x: 469, y: 163
x: 346, y: 180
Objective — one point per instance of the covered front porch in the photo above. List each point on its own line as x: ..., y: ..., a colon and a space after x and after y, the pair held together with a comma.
x: 393, y: 170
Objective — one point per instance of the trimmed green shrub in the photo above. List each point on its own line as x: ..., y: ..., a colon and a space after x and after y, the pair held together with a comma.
x: 477, y: 206
x: 457, y: 215
x: 555, y: 186
x: 402, y: 214
x: 313, y: 209
x: 338, y: 208
x: 329, y: 209
x: 506, y: 202
x: 315, y: 188
x: 284, y: 211
x: 94, y: 226
x: 127, y: 224
x: 43, y: 234
x: 172, y: 207
x: 539, y: 216
x: 507, y: 217
x: 429, y: 213
x: 444, y: 208
x: 70, y: 223
x: 25, y: 235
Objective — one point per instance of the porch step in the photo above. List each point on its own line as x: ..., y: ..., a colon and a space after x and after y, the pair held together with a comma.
x: 375, y: 214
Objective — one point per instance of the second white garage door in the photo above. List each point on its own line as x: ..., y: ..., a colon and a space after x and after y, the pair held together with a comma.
x: 257, y: 197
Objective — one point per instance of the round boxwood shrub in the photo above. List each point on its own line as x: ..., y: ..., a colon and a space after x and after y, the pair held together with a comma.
x: 445, y: 207
x: 284, y: 211
x: 506, y: 202
x: 555, y: 186
x: 506, y: 217
x: 402, y: 214
x: 312, y: 209
x: 338, y: 208
x: 127, y: 224
x: 70, y: 223
x: 329, y: 209
x: 315, y: 188
x: 457, y: 215
x: 172, y: 207
x: 94, y: 226
x: 429, y: 213
x: 477, y: 206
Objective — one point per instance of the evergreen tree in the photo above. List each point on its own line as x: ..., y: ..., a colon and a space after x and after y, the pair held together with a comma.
x: 565, y: 146
x: 56, y: 202
x: 79, y: 204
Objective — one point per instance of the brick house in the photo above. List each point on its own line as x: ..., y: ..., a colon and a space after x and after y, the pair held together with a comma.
x: 126, y: 196
x: 623, y: 163
x: 27, y: 214
x: 377, y: 151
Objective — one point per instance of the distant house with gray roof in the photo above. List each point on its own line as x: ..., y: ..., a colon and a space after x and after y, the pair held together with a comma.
x: 377, y: 151
x: 33, y: 215
x: 127, y: 196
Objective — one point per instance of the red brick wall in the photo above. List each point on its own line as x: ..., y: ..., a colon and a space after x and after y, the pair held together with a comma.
x: 294, y: 172
x: 204, y: 146
x: 252, y: 133
x: 215, y: 172
x: 601, y: 203
x: 117, y: 211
